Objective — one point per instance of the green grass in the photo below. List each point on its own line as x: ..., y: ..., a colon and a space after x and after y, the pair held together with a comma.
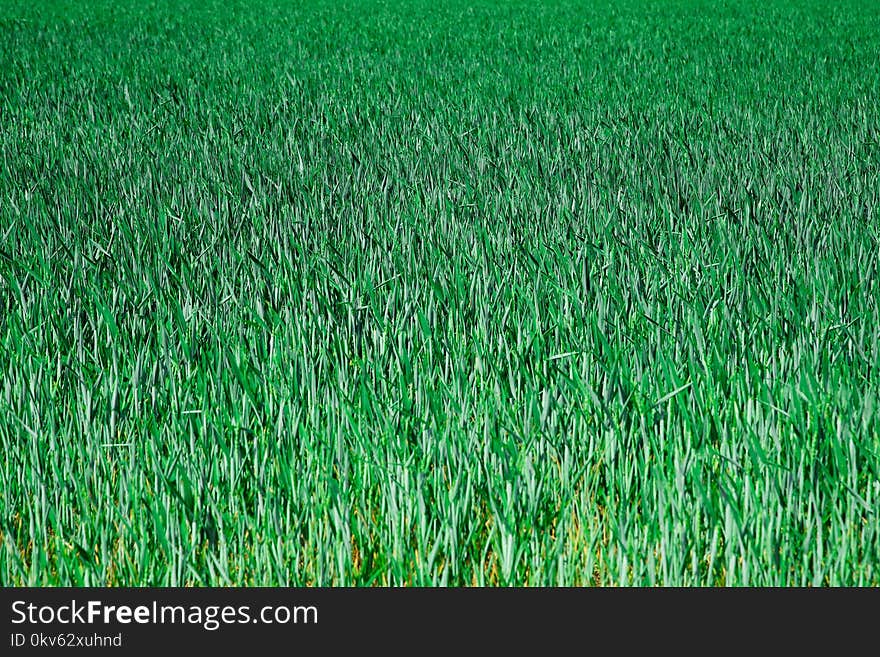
x: 439, y: 293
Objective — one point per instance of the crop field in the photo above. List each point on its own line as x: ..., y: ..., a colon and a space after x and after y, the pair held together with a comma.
x: 439, y: 292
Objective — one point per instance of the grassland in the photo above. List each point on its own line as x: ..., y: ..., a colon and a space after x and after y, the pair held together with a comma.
x: 439, y: 293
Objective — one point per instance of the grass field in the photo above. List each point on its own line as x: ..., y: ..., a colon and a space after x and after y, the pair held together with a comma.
x: 439, y: 293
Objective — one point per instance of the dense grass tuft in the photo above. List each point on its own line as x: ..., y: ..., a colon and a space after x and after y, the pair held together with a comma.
x: 439, y: 292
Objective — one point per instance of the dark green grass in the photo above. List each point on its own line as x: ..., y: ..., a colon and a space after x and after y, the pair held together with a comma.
x: 439, y: 293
